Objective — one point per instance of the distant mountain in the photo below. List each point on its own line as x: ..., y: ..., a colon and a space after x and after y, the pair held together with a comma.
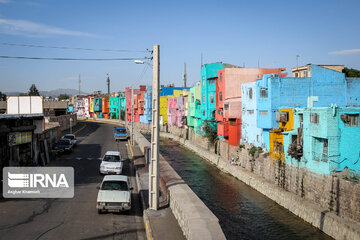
x: 52, y: 93
x: 57, y: 92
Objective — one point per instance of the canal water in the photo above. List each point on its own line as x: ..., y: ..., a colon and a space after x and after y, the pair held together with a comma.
x: 243, y: 212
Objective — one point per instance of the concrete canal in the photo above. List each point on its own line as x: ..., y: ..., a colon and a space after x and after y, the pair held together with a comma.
x: 243, y: 212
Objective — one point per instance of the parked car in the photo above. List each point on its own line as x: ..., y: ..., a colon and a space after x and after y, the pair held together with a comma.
x: 64, y: 145
x: 112, y: 163
x: 114, y: 194
x: 120, y: 133
x: 71, y: 137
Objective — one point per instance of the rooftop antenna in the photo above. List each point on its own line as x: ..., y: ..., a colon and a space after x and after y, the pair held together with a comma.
x: 79, y: 83
x: 108, y: 83
x: 185, y: 74
x: 297, y: 61
x: 201, y: 59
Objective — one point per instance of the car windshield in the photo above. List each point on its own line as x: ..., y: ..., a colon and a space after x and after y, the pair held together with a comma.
x: 69, y: 137
x: 111, y: 158
x: 115, y: 185
x: 64, y: 142
x: 120, y: 130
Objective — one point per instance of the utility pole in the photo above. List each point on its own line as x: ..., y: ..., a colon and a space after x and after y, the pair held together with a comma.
x: 184, y: 74
x: 108, y: 83
x: 154, y: 161
x: 132, y: 115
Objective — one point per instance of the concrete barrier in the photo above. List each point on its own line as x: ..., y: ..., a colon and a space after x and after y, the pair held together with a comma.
x: 194, y: 218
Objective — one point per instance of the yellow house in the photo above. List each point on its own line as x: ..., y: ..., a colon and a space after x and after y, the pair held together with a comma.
x: 91, y: 106
x: 163, y: 105
x: 285, y: 117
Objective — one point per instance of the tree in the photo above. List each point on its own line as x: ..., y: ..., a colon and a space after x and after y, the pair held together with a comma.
x: 350, y: 72
x: 2, y: 96
x: 33, y: 91
x: 63, y: 97
x: 23, y: 94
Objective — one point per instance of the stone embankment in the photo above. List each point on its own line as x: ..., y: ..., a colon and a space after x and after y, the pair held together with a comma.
x: 328, y: 202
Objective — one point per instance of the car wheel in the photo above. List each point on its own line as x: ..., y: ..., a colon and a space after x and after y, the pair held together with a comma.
x: 100, y: 211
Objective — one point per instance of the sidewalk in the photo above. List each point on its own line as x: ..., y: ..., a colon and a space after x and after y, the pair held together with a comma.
x: 160, y: 224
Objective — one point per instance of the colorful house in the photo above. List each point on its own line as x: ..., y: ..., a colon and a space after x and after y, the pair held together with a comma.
x: 91, y: 106
x: 324, y: 139
x: 105, y: 107
x: 114, y: 107
x: 209, y: 74
x: 98, y: 107
x: 122, y: 105
x: 173, y: 92
x: 250, y: 133
x: 194, y: 101
x: 128, y: 102
x: 146, y: 117
x: 322, y: 88
x: 228, y: 98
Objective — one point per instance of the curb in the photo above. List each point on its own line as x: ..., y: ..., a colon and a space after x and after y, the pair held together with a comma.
x: 145, y: 212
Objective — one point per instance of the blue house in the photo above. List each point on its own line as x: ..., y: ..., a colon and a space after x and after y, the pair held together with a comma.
x: 324, y: 139
x: 320, y: 87
x: 147, y: 116
x: 250, y: 133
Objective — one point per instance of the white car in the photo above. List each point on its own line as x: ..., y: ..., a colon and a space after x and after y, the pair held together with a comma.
x: 114, y: 194
x: 71, y: 137
x: 112, y: 163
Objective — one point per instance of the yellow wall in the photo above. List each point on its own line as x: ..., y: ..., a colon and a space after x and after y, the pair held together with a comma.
x: 163, y: 108
x: 276, y: 136
x: 91, y: 104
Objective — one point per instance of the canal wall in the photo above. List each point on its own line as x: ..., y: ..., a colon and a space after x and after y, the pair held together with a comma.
x: 330, y: 203
x: 194, y: 218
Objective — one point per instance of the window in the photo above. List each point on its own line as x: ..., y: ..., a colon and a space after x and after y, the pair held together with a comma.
x: 320, y: 149
x: 212, y: 98
x: 250, y: 112
x: 204, y: 113
x: 192, y: 98
x: 226, y: 106
x: 250, y: 93
x: 305, y: 73
x: 212, y: 81
x: 263, y: 93
x: 350, y: 120
x: 203, y: 80
x: 296, y: 74
x: 263, y: 113
x: 220, y: 77
x: 203, y: 98
x: 220, y: 96
x: 232, y: 122
x: 314, y: 118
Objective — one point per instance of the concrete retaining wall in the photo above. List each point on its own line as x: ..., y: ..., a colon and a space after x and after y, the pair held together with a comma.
x: 194, y: 218
x: 322, y: 218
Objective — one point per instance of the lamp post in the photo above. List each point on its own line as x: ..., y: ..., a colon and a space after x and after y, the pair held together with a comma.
x: 155, y: 126
x: 71, y: 125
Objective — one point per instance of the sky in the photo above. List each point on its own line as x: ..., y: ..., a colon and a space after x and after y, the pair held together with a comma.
x: 248, y: 33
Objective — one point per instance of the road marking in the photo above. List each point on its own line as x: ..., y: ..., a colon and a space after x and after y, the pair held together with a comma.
x: 78, y: 158
x: 147, y: 228
x: 80, y: 129
x: 99, y: 121
x: 132, y: 154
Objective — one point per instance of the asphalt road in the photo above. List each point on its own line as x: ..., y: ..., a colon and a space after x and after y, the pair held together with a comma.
x: 76, y: 218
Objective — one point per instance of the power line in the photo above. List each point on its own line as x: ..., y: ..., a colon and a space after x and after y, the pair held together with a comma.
x: 73, y: 59
x: 72, y: 48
